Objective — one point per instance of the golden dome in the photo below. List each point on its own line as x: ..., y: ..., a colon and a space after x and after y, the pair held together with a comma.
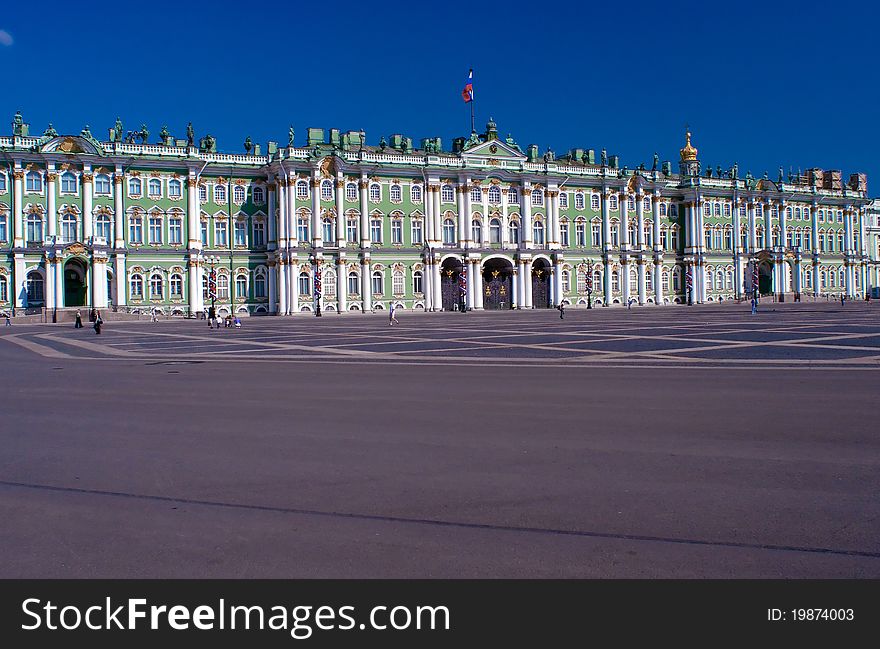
x: 688, y: 152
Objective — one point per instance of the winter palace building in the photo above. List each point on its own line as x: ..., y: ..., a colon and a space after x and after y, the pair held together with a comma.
x: 127, y: 225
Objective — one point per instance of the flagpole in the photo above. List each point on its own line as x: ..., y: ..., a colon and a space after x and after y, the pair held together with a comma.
x: 473, y: 127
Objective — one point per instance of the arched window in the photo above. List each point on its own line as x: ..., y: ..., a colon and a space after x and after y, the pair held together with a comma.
x: 395, y: 193
x: 68, y: 183
x: 728, y: 279
x: 397, y: 282
x: 537, y: 197
x: 716, y: 237
x: 259, y: 233
x: 377, y: 282
x: 35, y: 288
x: 581, y: 279
x: 631, y: 203
x: 476, y: 194
x: 223, y: 287
x: 34, y: 227
x: 302, y: 227
x: 4, y: 228
x: 375, y: 192
x: 563, y: 200
x: 594, y: 202
x: 633, y: 281
x: 676, y: 279
x: 538, y: 233
x: 597, y: 280
x: 566, y: 282
x: 615, y: 281
x: 260, y: 284
x: 662, y: 209
x: 155, y: 224
x: 102, y: 184
x: 447, y: 194
x: 728, y: 238
x: 240, y: 232
x: 69, y: 227
x: 580, y: 233
x: 415, y: 193
x: 302, y: 190
x: 305, y: 283
x: 646, y: 204
x: 719, y: 280
x: 708, y: 236
x: 4, y: 289
x: 494, y: 195
x: 448, y: 232
x: 175, y: 285
x: 512, y: 196
x: 103, y: 227
x: 615, y: 233
x: 477, y: 231
x: 563, y: 233
x: 221, y: 233
x: 673, y: 210
x: 134, y: 186
x: 664, y: 280
x: 631, y: 232
x: 326, y: 190
x: 203, y: 194
x: 513, y: 232
x: 494, y: 230
x: 258, y: 195
x: 175, y: 188
x: 351, y: 192
x: 416, y: 232
x: 649, y: 233
x: 155, y: 187
x: 397, y: 228
x: 649, y: 280
x: 219, y: 194
x: 579, y: 201
x: 612, y: 203
x: 156, y: 286
x: 328, y: 283
x: 329, y: 229
x: 354, y: 283
x: 34, y: 182
x: 595, y: 233
x: 238, y: 194
x: 417, y: 282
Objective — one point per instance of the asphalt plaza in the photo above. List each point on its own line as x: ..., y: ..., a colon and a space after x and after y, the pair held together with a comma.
x: 658, y: 442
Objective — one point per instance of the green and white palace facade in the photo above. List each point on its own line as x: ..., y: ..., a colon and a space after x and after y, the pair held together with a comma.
x: 132, y: 226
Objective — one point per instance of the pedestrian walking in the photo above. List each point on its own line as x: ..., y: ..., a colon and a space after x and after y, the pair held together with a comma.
x: 153, y: 316
x: 842, y: 298
x: 754, y: 306
x: 392, y: 320
x: 561, y: 308
x: 8, y: 321
x: 79, y: 320
x: 98, y: 322
x: 212, y: 315
x: 629, y: 304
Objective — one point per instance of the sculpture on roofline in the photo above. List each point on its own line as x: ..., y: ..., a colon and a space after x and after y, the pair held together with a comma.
x: 290, y: 137
x: 604, y: 158
x: 164, y: 134
x: 248, y: 144
x: 143, y: 134
x: 50, y: 131
x: 780, y: 175
x: 656, y: 161
x: 117, y: 130
x: 190, y: 134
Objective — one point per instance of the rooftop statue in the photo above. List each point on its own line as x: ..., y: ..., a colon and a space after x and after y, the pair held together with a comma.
x: 735, y: 171
x: 718, y: 171
x: 290, y: 137
x: 708, y: 171
x: 50, y: 131
x: 656, y: 161
x: 143, y: 134
x: 163, y: 134
x: 211, y: 143
x: 382, y: 143
x: 780, y: 175
x: 17, y: 119
x: 604, y: 158
x: 86, y: 133
x: 190, y: 134
x: 248, y: 144
x: 766, y: 176
x: 117, y: 130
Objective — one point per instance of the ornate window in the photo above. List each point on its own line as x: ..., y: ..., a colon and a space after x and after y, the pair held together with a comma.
x: 351, y: 228
x: 396, y: 230
x: 2, y: 183
x: 476, y: 195
x: 175, y: 230
x: 239, y: 194
x: 615, y: 233
x: 155, y: 187
x: 34, y: 228
x: 674, y: 238
x: 175, y: 286
x: 594, y: 202
x: 240, y: 232
x: 579, y: 201
x: 595, y: 234
x: 415, y: 193
x: 707, y: 209
x: 615, y: 281
x: 580, y: 233
x: 204, y: 232
x: 302, y: 227
x: 728, y: 238
x: 155, y: 224
x: 259, y: 233
x: 448, y: 232
x: 351, y: 191
x: 103, y: 227
x: 538, y: 233
x: 375, y: 192
x: 631, y: 203
x: 566, y: 282
x: 416, y: 232
x: 649, y: 233
x: 494, y: 195
x: 354, y: 283
x: 512, y: 195
x: 662, y: 209
x: 477, y: 231
x: 716, y: 209
x: 134, y: 187
x: 537, y: 197
x: 241, y: 287
x: 377, y: 282
x: 302, y: 190
x: 447, y: 194
x: 397, y: 282
x: 328, y: 283
x: 513, y: 232
x: 156, y: 286
x: 68, y: 183
x: 664, y: 238
x: 203, y: 194
x: 495, y: 230
x: 395, y: 193
x: 305, y: 283
x: 258, y: 196
x: 646, y: 204
x: 376, y: 230
x: 326, y: 190
x: 102, y: 184
x: 4, y: 289
x: 633, y: 281
x: 136, y: 287
x: 563, y: 233
x: 69, y: 229
x: 223, y: 287
x: 219, y: 194
x: 612, y: 202
x: 329, y: 229
x: 4, y: 228
x: 260, y: 284
x: 136, y: 230
x: 418, y: 288
x: 221, y: 233
x: 34, y: 182
x: 563, y: 200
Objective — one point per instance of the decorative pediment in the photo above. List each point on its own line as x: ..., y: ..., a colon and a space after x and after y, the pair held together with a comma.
x: 70, y: 144
x: 75, y: 249
x: 495, y: 149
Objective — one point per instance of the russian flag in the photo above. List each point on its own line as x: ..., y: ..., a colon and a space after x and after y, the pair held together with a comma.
x: 468, y: 93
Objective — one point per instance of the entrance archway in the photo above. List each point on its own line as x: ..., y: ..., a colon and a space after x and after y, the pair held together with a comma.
x: 497, y: 284
x: 765, y: 278
x: 541, y: 284
x: 450, y: 270
x: 74, y: 283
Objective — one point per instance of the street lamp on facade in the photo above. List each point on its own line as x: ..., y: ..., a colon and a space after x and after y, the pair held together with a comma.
x: 589, y: 263
x: 213, y: 260
x: 317, y: 280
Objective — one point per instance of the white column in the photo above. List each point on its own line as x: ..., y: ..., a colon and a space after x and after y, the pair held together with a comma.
x: 283, y: 233
x: 341, y: 283
x: 195, y: 286
x: 273, y: 229
x: 753, y: 227
x: 461, y: 206
x: 640, y: 270
x: 528, y: 284
x: 467, y: 241
x: 469, y: 266
x: 658, y: 251
x: 317, y: 224
x: 293, y: 271
x: 120, y: 274
x: 485, y: 223
x: 606, y: 276
x: 87, y: 196
x: 436, y: 285
x: 290, y: 217
x: 273, y: 293
x: 51, y: 210
x: 768, y: 225
x: 606, y: 220
x: 526, y: 220
x: 366, y: 290
x: 18, y: 230
x: 783, y: 241
x: 428, y: 205
x: 340, y: 216
x: 365, y: 214
x: 515, y: 287
x: 521, y: 287
x: 283, y: 308
x: 624, y: 280
x: 505, y: 237
x: 438, y: 215
x: 640, y: 239
x: 558, y: 295
x: 428, y: 279
x: 658, y: 278
x: 478, y: 284
x: 737, y: 249
x: 849, y: 267
x: 99, y: 282
x: 623, y: 203
x: 19, y: 283
x: 119, y: 209
x: 49, y: 264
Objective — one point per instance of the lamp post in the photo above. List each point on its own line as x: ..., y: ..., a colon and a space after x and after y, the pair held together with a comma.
x: 317, y: 272
x: 589, y: 263
x: 212, y: 284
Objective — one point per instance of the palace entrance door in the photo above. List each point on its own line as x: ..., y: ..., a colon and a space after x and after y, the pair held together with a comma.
x: 540, y: 284
x: 497, y: 284
x: 449, y: 287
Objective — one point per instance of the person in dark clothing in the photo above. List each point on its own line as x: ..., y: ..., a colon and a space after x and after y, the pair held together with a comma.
x: 98, y: 322
x: 79, y: 320
x: 561, y: 308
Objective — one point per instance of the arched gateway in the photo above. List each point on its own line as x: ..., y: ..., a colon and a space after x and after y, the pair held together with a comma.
x: 449, y: 284
x: 541, y: 284
x: 497, y: 284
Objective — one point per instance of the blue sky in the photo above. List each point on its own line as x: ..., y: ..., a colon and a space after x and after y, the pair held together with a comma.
x: 787, y: 84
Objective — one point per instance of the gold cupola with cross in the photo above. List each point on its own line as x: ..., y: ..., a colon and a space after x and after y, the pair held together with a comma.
x: 689, y: 165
